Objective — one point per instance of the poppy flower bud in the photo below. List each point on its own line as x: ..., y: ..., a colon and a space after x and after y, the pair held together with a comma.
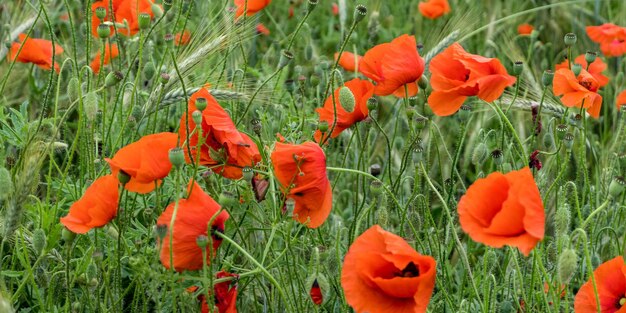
x: 165, y: 78
x: 359, y: 13
x: 197, y: 118
x: 562, y: 220
x: 423, y: 82
x: 566, y: 266
x: 376, y: 187
x: 202, y: 241
x: 372, y: 104
x: 113, y: 78
x: 576, y: 69
x: 73, y: 88
x: 322, y: 126
x: 6, y: 184
x: 201, y: 104
x: 420, y: 122
x: 308, y: 52
x: 590, y: 56
x: 144, y: 21
x: 561, y: 130
x: 518, y: 67
x: 157, y: 11
x: 547, y: 77
x: 90, y: 105
x: 617, y: 186
x: 548, y: 140
x: 383, y: 216
x: 315, y: 80
x: 375, y: 169
x: 311, y: 5
x: 104, y: 31
x: 67, y: 235
x: 39, y: 241
x: 160, y: 231
x: 290, y: 205
x: 248, y: 174
x: 149, y: 70
x: 570, y: 39
x: 227, y: 199
x: 497, y: 156
x: 285, y: 58
x: 346, y: 98
x: 101, y: 13
x: 568, y: 140
x: 256, y: 126
x: 480, y: 153
x: 338, y: 77
x: 111, y: 231
x: 177, y: 157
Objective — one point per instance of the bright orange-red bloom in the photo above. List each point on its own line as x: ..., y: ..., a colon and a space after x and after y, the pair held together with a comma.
x: 146, y: 161
x: 525, y: 29
x: 581, y: 91
x: 621, y: 99
x: 191, y: 221
x: 504, y: 209
x: 110, y: 52
x: 301, y: 170
x: 182, y: 39
x: 253, y: 6
x: 457, y: 75
x: 382, y: 273
x: 226, y: 150
x: 610, y: 279
x: 393, y: 66
x: 225, y: 295
x: 348, y: 60
x: 612, y: 38
x: 126, y: 13
x: 36, y: 51
x: 362, y: 91
x: 96, y: 208
x: 595, y: 69
x: 433, y: 9
x: 262, y: 29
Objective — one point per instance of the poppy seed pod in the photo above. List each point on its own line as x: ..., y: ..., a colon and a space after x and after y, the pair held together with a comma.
x: 561, y: 130
x: 617, y: 186
x: 420, y: 122
x: 101, y: 12
x: 590, y: 56
x: 248, y: 173
x: 196, y: 116
x: 285, y: 57
x: 144, y: 21
x: 322, y: 126
x: 165, y: 78
x: 518, y: 67
x: 104, y: 31
x: 570, y: 39
x: 346, y: 98
x: 376, y: 187
x: 311, y: 5
x: 256, y: 126
x: 547, y: 77
x: 359, y: 13
x: 201, y: 104
x: 372, y: 104
x: 113, y: 79
x: 177, y: 157
x: 375, y: 169
x: 202, y: 241
x: 497, y: 156
x: 576, y: 69
x: 464, y: 112
x: 568, y: 140
x: 566, y: 266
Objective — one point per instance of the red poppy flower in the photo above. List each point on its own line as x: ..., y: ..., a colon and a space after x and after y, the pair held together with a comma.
x: 362, y: 91
x: 621, y: 99
x: 581, y: 91
x: 393, y: 66
x: 226, y: 150
x: 126, y: 13
x: 335, y: 9
x: 253, y: 6
x: 110, y: 52
x: 182, y: 39
x: 146, y: 161
x: 457, y: 75
x: 96, y: 208
x: 348, y: 61
x: 433, y: 9
x: 504, y: 209
x: 525, y: 29
x: 261, y: 29
x: 595, y: 69
x: 612, y: 38
x: 610, y: 279
x: 192, y: 218
x: 36, y: 51
x: 382, y: 273
x: 316, y: 293
x: 225, y: 295
x: 301, y: 170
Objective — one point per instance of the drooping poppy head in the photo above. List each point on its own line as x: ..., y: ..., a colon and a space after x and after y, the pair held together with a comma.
x: 182, y: 39
x: 383, y: 273
x: 610, y: 279
x: 457, y: 74
x: 525, y: 29
x: 612, y: 38
x: 301, y: 170
x: 226, y: 150
x: 225, y: 295
x: 621, y: 99
x: 346, y: 117
x: 433, y: 9
x: 125, y: 14
x: 110, y: 52
x: 145, y: 161
x: 96, y: 208
x: 581, y: 91
x: 262, y: 29
x: 504, y: 209
x: 253, y: 6
x: 348, y: 60
x: 394, y: 66
x: 191, y: 221
x: 36, y: 51
x: 595, y: 68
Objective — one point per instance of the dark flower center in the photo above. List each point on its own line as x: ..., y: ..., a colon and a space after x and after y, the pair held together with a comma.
x: 586, y: 84
x: 410, y: 270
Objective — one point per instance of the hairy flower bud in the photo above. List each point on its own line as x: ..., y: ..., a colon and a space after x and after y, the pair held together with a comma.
x: 346, y: 98
x: 566, y: 266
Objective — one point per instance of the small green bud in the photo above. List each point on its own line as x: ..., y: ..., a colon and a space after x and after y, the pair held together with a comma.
x: 376, y: 187
x: 67, y: 235
x: 149, y: 70
x: 576, y: 69
x: 123, y: 177
x: 311, y: 5
x: 112, y: 231
x: 90, y: 105
x: 617, y: 186
x: 308, y: 52
x: 104, y: 31
x: 248, y: 173
x: 561, y: 130
x: 590, y: 56
x: 165, y: 78
x: 548, y: 140
x: 322, y: 126
x: 73, y: 88
x: 382, y: 216
x: 177, y: 157
x: 197, y: 118
x: 570, y: 39
x: 113, y: 79
x: 285, y: 58
x: 101, y: 13
x: 227, y: 199
x: 375, y: 169
x: 157, y: 11
x: 518, y: 67
x: 562, y: 220
x: 346, y: 98
x: 480, y: 153
x: 202, y: 241
x: 201, y: 104
x: 410, y: 113
x: 566, y: 266
x: 423, y: 82
x: 547, y: 77
x: 372, y: 104
x: 420, y: 122
x: 360, y: 11
x: 160, y: 231
x: 144, y: 21
x: 39, y: 240
x: 464, y: 112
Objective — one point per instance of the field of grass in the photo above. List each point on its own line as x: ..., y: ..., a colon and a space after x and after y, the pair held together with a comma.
x: 184, y: 156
